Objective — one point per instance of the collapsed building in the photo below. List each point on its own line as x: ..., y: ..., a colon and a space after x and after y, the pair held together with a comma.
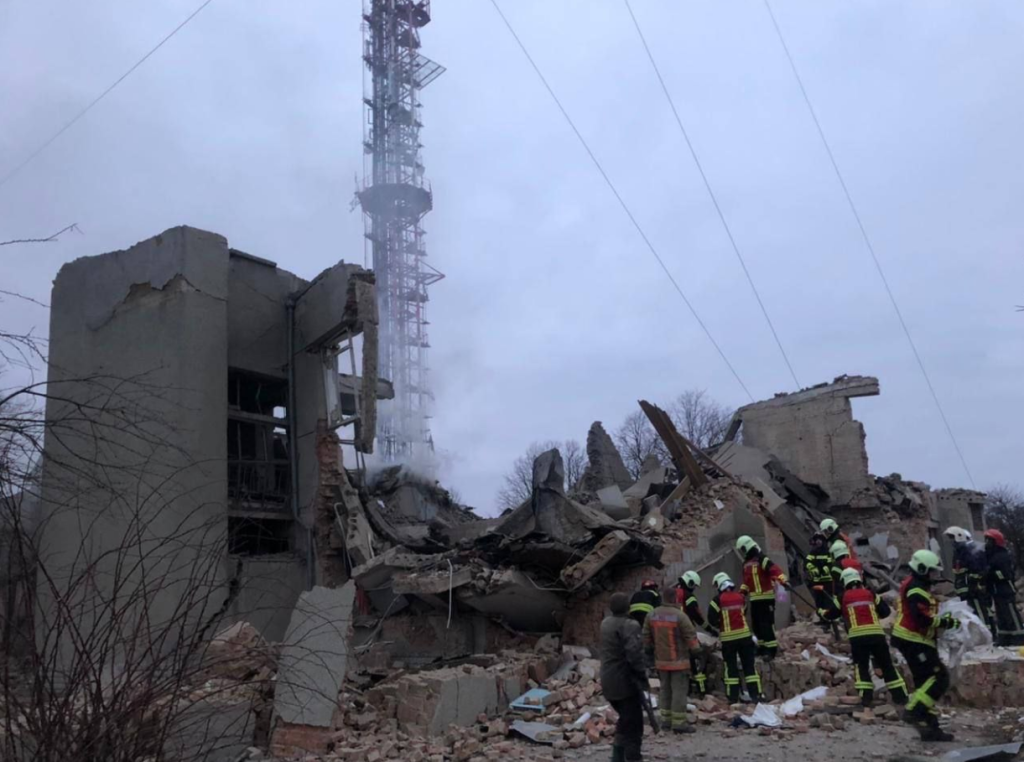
x: 203, y: 424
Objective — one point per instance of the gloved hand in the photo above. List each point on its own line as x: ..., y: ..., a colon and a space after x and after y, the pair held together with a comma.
x: 949, y: 622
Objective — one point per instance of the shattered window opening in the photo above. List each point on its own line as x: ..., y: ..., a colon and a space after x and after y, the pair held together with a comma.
x: 258, y: 537
x: 259, y: 476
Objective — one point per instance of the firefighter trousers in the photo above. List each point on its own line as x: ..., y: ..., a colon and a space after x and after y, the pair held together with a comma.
x: 739, y: 658
x: 871, y: 652
x: 982, y: 607
x: 931, y: 678
x: 762, y: 622
x: 672, y: 698
x: 698, y: 677
x: 1009, y: 630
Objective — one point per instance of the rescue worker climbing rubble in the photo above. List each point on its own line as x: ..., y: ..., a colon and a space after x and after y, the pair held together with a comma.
x: 914, y: 634
x: 830, y: 529
x: 688, y: 584
x: 818, y: 569
x: 1003, y: 590
x: 970, y: 572
x: 644, y: 601
x: 760, y: 575
x: 727, y: 613
x: 623, y: 677
x: 670, y: 640
x: 862, y: 612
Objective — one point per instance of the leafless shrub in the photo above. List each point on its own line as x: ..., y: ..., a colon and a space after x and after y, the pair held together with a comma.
x: 1004, y: 510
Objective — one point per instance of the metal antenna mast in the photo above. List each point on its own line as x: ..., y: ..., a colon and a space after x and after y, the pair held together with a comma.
x: 394, y: 200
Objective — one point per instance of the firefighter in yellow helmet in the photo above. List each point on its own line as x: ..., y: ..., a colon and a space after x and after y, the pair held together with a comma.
x: 760, y: 575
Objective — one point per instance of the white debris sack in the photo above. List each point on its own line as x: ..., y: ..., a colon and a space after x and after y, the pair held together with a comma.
x: 795, y: 705
x: 763, y: 714
x: 972, y: 633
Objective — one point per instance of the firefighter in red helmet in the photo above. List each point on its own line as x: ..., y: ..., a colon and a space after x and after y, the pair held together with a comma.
x: 1001, y: 575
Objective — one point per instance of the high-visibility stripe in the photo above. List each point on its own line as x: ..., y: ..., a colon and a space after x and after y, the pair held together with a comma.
x: 644, y: 607
x: 902, y: 633
x: 899, y: 682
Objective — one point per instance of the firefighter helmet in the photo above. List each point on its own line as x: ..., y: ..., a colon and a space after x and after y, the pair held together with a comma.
x: 850, y: 576
x: 649, y: 584
x: 839, y: 549
x: 746, y: 543
x: 818, y: 539
x: 722, y: 581
x: 828, y: 526
x: 690, y: 579
x: 958, y: 534
x: 924, y: 562
x: 996, y: 536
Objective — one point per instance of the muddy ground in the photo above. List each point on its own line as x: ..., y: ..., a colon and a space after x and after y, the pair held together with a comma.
x: 856, y: 743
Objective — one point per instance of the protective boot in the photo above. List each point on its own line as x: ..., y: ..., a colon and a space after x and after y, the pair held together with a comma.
x: 618, y: 754
x: 935, y: 734
x: 917, y: 716
x: 687, y: 728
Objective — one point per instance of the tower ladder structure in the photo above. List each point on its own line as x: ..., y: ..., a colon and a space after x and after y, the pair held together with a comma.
x: 395, y: 198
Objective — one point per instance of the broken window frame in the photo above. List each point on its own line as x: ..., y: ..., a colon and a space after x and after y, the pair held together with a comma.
x: 258, y: 466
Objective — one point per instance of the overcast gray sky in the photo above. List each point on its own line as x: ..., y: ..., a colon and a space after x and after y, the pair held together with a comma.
x: 553, y: 314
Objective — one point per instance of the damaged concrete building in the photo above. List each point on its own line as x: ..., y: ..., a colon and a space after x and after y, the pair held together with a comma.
x: 207, y: 378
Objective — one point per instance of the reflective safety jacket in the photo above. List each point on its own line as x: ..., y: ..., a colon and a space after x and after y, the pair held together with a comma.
x: 819, y: 569
x: 669, y: 636
x: 917, y: 613
x: 691, y: 607
x: 759, y: 577
x: 863, y: 611
x: 1001, y: 574
x: 970, y: 569
x: 643, y: 603
x: 728, y: 614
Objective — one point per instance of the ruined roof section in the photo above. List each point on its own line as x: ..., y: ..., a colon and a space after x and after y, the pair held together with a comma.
x: 814, y: 434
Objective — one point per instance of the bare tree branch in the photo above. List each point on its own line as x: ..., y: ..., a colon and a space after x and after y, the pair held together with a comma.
x: 73, y: 226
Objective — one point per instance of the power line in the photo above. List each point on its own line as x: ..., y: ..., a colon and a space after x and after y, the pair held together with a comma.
x: 711, y: 193
x: 618, y: 197
x: 867, y: 242
x: 101, y: 96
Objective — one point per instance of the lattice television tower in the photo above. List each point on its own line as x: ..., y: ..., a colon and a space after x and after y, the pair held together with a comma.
x: 394, y: 199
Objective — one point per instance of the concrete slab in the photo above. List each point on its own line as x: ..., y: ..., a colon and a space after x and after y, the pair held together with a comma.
x: 656, y: 475
x: 596, y: 559
x: 613, y: 503
x: 314, y: 656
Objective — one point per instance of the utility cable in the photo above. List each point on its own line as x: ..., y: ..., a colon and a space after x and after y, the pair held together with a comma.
x: 101, y: 96
x: 867, y: 242
x: 711, y: 193
x: 618, y: 197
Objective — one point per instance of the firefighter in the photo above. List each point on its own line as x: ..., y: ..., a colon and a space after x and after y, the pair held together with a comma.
x: 830, y: 529
x: 970, y: 571
x: 841, y: 561
x: 623, y: 676
x: 727, y: 613
x: 688, y: 585
x: 760, y: 574
x: 644, y: 601
x: 670, y: 641
x: 917, y: 625
x: 862, y: 611
x: 818, y: 568
x: 1001, y: 587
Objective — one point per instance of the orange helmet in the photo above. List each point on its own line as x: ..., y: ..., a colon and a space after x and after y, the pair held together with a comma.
x: 996, y: 536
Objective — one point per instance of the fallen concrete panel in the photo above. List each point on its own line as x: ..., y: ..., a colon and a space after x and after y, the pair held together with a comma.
x: 613, y: 503
x: 640, y: 488
x: 604, y: 463
x: 431, y: 583
x: 609, y: 547
x: 314, y: 657
x: 514, y: 598
x: 538, y: 732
